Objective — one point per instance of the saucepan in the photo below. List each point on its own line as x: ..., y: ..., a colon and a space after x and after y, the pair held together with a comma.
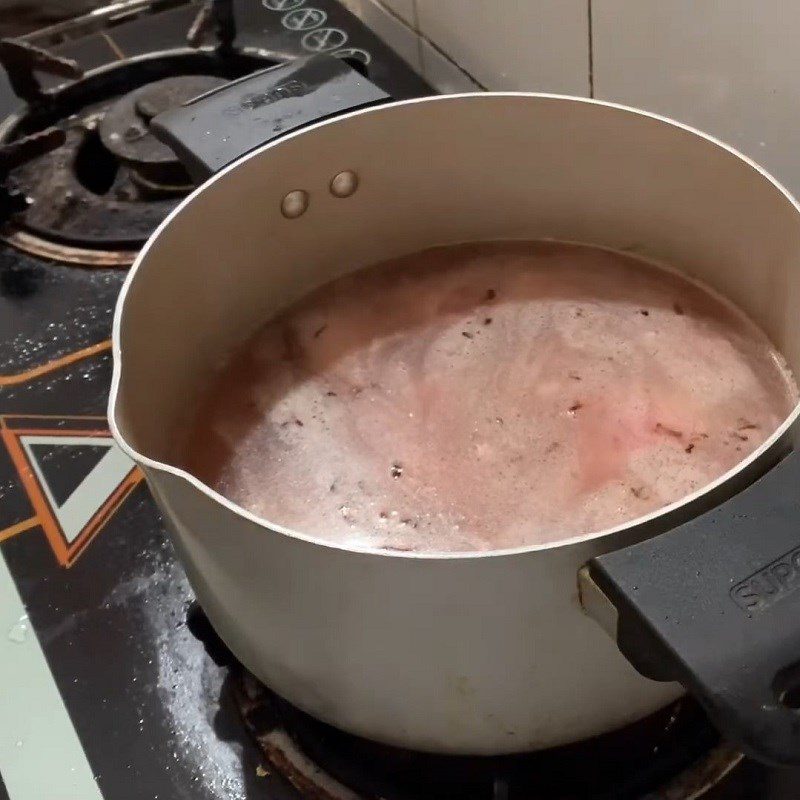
x: 491, y: 652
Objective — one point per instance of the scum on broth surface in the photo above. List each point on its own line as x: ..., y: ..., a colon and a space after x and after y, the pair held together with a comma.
x: 488, y: 395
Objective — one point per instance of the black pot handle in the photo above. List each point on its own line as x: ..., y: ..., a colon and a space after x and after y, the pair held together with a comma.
x: 214, y: 129
x: 715, y: 605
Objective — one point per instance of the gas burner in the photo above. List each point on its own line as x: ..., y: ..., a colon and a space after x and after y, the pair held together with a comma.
x: 97, y: 198
x: 673, y: 755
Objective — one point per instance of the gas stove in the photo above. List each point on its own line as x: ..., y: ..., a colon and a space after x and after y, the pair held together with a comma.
x: 116, y: 686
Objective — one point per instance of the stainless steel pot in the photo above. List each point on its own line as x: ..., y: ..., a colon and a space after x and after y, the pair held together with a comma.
x: 491, y: 652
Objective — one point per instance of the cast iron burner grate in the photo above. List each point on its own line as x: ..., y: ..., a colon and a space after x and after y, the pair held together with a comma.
x: 111, y: 182
x: 82, y: 179
x: 673, y: 755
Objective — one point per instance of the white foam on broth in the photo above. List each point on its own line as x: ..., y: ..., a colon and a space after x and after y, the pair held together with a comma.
x: 486, y: 396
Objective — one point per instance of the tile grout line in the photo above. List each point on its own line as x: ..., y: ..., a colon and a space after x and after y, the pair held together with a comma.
x: 420, y: 49
x: 445, y: 56
x: 423, y: 40
x: 591, y: 48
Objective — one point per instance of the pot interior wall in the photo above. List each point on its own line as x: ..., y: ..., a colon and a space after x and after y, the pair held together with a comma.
x: 440, y: 171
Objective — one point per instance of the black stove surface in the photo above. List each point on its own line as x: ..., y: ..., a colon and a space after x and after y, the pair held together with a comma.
x: 109, y: 694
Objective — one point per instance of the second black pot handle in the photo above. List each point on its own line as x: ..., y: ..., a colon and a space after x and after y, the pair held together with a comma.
x: 715, y: 605
x: 214, y: 129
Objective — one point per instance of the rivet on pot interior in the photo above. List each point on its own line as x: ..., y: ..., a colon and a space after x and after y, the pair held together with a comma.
x: 343, y: 184
x: 294, y: 203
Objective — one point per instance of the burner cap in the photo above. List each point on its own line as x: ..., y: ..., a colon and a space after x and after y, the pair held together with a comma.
x: 125, y: 129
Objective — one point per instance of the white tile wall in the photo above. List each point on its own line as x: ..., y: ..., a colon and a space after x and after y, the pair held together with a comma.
x: 730, y: 67
x: 534, y: 45
x: 399, y: 36
x: 404, y: 9
x: 441, y: 72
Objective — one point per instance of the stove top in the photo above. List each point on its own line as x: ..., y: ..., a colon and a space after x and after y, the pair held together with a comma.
x: 115, y: 687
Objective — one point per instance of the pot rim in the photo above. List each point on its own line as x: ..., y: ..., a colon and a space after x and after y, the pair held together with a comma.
x: 271, y: 527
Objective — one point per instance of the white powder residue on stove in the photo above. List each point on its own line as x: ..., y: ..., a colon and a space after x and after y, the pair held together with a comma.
x: 85, y: 322
x: 189, y: 683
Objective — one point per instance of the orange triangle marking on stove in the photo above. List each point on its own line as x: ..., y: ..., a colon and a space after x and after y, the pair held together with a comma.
x: 58, y: 363
x: 70, y: 515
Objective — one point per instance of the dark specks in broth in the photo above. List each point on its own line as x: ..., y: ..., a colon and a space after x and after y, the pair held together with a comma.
x: 673, y: 432
x: 381, y: 411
